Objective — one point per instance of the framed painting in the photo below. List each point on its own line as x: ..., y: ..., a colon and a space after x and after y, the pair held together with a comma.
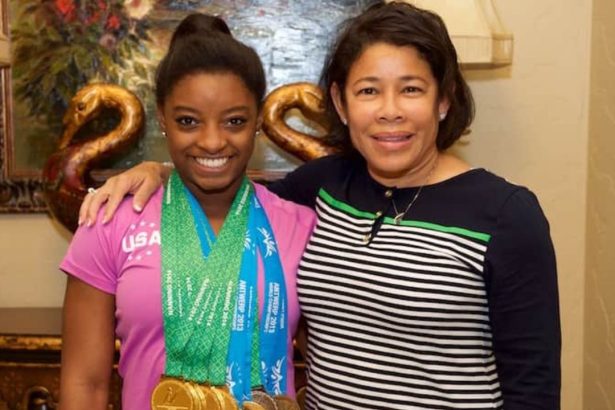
x: 58, y: 46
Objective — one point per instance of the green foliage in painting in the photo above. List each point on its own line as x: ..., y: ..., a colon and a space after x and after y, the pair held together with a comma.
x: 61, y: 45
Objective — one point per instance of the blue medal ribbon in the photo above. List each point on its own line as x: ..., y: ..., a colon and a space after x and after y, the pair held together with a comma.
x: 273, y: 327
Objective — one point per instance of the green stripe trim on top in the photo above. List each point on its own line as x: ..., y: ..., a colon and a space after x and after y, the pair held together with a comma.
x: 342, y: 206
x: 441, y: 228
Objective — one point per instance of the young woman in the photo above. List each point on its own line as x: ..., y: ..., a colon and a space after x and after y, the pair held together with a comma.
x: 182, y: 283
x: 427, y: 283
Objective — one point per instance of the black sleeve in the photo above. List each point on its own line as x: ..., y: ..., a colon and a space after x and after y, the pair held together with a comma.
x: 301, y: 186
x: 521, y: 281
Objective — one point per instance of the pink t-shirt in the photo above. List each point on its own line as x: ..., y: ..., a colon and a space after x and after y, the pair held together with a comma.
x: 123, y: 258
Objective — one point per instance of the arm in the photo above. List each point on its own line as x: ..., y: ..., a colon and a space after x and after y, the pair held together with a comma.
x: 301, y: 186
x: 141, y: 181
x: 521, y: 281
x: 87, y: 347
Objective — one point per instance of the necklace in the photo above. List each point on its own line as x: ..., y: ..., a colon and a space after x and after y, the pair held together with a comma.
x: 399, y: 215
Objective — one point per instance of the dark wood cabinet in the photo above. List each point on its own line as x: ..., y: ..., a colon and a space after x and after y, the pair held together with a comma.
x: 30, y: 346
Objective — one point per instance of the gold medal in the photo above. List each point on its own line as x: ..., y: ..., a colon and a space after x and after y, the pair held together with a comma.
x: 173, y: 394
x: 286, y: 403
x: 226, y: 398
x: 211, y: 399
x: 264, y: 400
x: 197, y: 395
x: 250, y: 405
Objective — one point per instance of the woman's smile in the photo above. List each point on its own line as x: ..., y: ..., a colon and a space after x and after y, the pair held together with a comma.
x: 392, y: 140
x: 214, y: 164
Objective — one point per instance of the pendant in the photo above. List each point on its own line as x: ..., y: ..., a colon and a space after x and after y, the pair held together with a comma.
x: 398, y: 218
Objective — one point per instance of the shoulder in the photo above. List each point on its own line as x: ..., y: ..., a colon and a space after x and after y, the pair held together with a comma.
x: 521, y: 227
x: 125, y: 221
x: 282, y: 210
x: 509, y: 198
x: 521, y: 211
x: 487, y: 189
x: 126, y: 215
x: 97, y: 253
x: 302, y: 184
x: 322, y: 169
x: 328, y: 163
x: 479, y: 200
x: 292, y: 225
x: 488, y: 181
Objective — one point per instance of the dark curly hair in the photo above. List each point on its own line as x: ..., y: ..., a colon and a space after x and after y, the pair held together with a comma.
x: 399, y: 24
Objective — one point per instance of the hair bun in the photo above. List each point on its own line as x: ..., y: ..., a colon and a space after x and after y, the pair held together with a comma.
x: 199, y: 23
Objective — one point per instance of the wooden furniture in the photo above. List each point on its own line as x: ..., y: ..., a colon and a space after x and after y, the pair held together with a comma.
x: 30, y: 346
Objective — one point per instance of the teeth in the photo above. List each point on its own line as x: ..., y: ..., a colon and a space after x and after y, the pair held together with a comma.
x: 212, y: 162
x: 392, y: 139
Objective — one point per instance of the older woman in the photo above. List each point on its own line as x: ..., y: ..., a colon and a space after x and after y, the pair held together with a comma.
x: 426, y: 283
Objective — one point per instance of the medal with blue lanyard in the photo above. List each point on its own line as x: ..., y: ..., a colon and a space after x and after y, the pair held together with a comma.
x: 257, y: 355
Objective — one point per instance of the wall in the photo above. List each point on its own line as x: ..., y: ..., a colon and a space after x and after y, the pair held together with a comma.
x: 531, y: 128
x: 32, y: 247
x: 599, y: 358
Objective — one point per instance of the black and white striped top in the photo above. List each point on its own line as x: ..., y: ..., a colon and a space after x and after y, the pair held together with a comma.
x: 454, y: 308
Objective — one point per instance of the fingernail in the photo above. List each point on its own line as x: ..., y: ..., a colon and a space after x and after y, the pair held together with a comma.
x: 106, y: 219
x: 80, y: 222
x: 138, y: 208
x: 89, y: 223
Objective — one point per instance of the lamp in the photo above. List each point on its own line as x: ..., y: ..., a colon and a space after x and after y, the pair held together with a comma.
x: 476, y: 30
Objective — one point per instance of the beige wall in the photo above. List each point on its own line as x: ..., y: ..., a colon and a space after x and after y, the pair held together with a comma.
x: 531, y: 128
x: 31, y: 249
x: 599, y: 358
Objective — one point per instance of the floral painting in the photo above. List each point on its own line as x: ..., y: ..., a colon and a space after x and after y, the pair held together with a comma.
x: 61, y: 45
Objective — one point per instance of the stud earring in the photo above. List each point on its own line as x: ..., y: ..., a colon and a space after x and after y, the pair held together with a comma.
x: 443, y: 115
x: 344, y: 121
x: 164, y: 133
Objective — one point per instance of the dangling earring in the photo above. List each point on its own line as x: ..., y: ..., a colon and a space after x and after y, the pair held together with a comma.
x: 443, y: 115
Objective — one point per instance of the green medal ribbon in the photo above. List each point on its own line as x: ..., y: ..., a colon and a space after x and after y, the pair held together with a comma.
x: 198, y: 294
